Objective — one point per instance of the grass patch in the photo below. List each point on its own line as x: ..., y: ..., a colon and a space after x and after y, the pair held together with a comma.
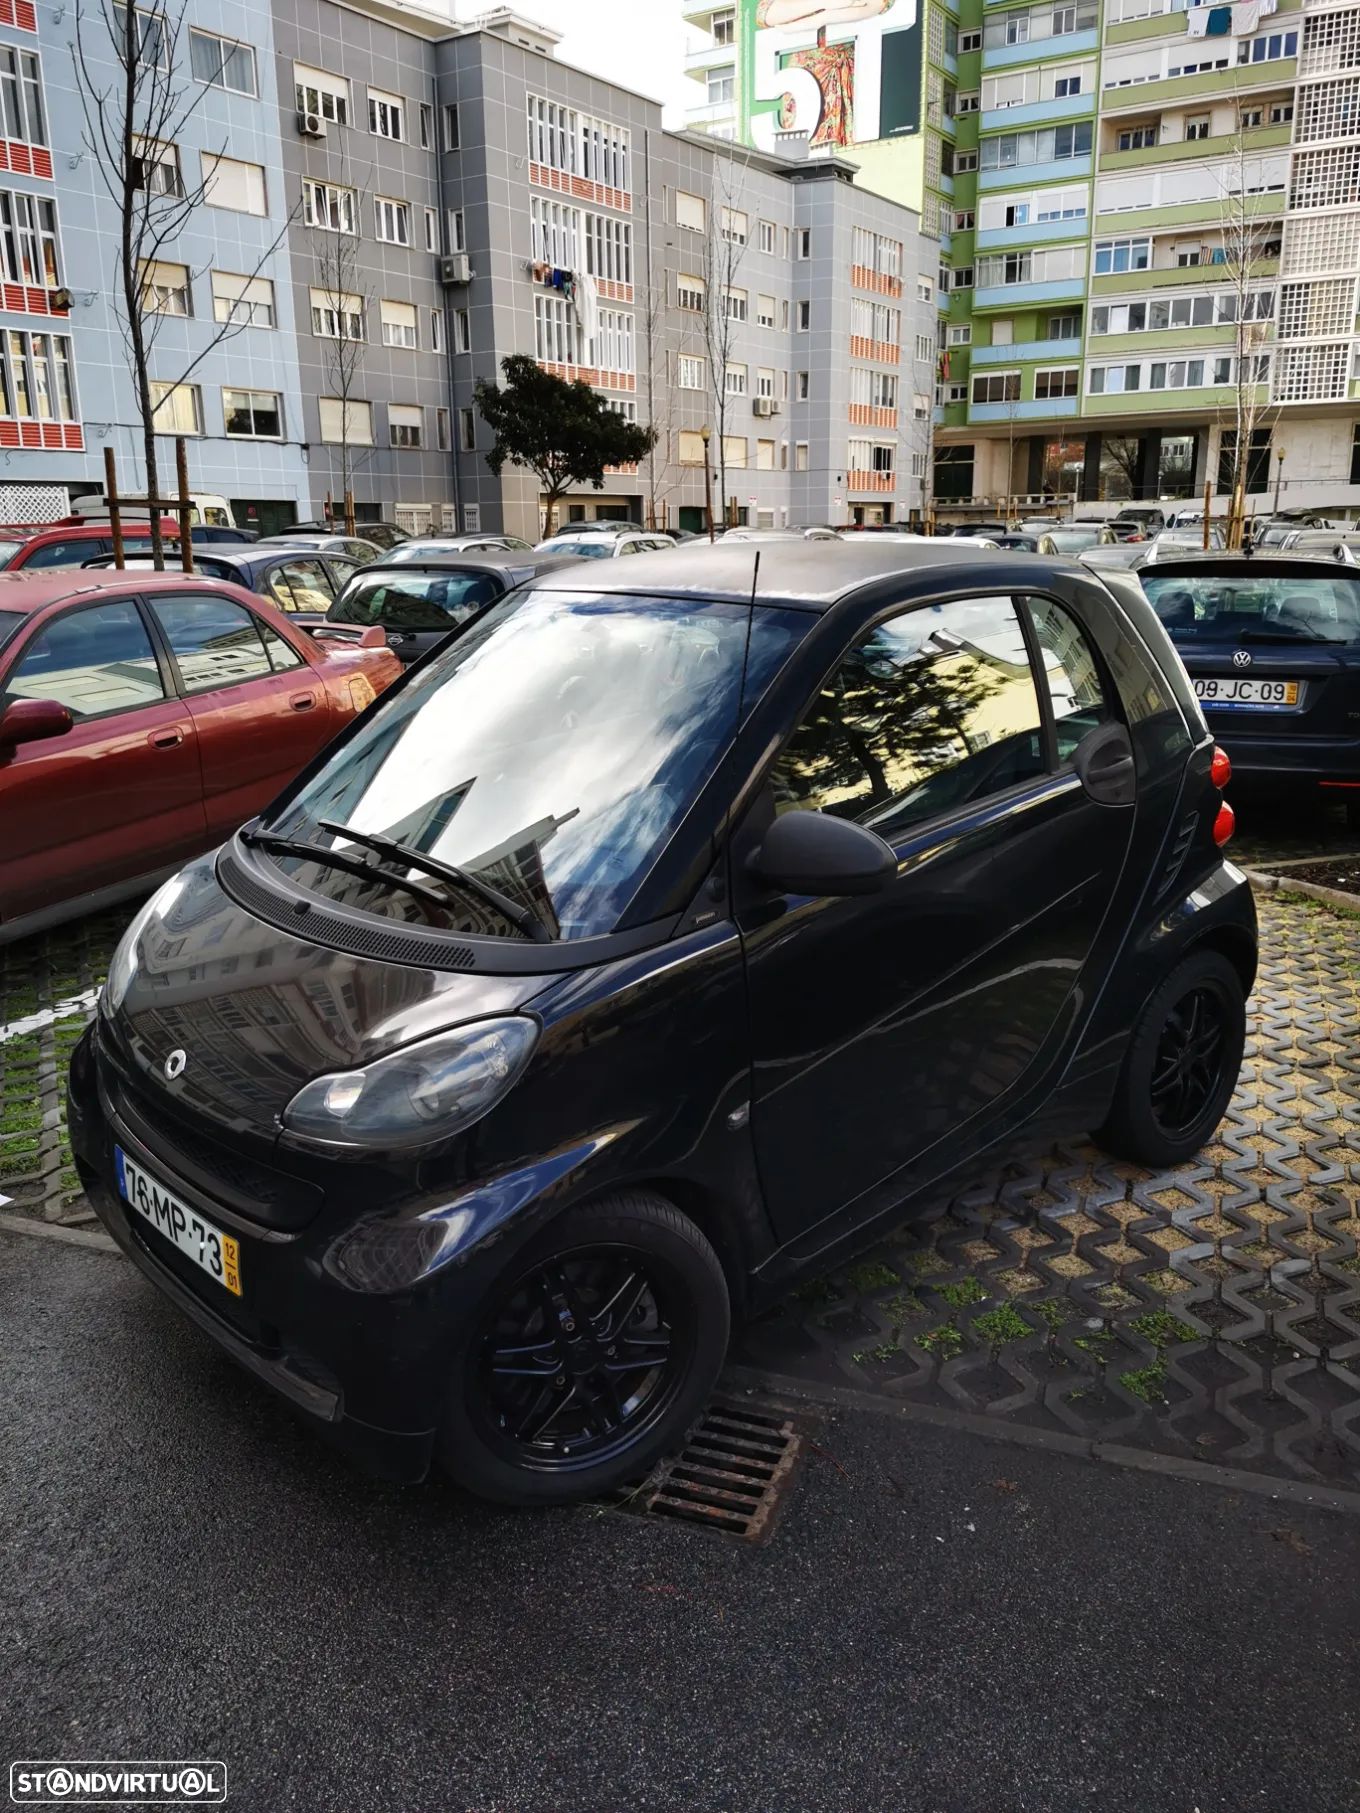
x: 1146, y: 1383
x: 1051, y: 1313
x: 870, y: 1275
x: 943, y: 1342
x: 967, y: 1290
x: 1003, y: 1324
x: 1097, y: 1345
x: 1161, y: 1328
x: 904, y: 1307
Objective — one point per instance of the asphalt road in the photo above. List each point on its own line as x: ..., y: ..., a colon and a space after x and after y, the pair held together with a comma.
x: 940, y: 1623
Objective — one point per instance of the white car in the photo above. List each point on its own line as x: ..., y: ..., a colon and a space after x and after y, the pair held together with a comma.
x: 603, y: 546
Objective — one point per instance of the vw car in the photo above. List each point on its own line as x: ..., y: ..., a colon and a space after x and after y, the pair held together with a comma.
x: 655, y: 943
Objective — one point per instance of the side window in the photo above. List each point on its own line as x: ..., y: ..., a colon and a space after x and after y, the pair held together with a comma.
x: 303, y: 585
x: 215, y: 642
x: 1071, y: 674
x: 92, y: 661
x: 282, y: 655
x: 70, y: 553
x: 928, y: 712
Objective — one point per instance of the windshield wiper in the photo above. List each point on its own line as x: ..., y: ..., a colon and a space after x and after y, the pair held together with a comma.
x: 336, y: 859
x: 1278, y: 636
x: 524, y: 918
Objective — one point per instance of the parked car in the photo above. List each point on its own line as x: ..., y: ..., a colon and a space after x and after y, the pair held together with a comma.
x: 211, y: 535
x: 990, y: 529
x: 358, y: 549
x: 1171, y: 541
x: 457, y: 544
x: 1019, y: 544
x: 383, y: 535
x: 294, y: 579
x: 1320, y: 541
x: 1124, y: 530
x: 143, y: 717
x: 1074, y: 538
x: 1272, y: 644
x: 1115, y: 556
x: 417, y: 606
x: 72, y: 545
x: 1148, y: 518
x: 601, y: 525
x: 606, y: 547
x: 650, y: 947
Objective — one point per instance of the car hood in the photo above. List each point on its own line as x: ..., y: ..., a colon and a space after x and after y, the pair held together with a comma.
x: 257, y: 1014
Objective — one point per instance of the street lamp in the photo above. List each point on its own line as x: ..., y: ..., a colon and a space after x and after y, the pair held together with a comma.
x: 1279, y: 472
x: 706, y: 434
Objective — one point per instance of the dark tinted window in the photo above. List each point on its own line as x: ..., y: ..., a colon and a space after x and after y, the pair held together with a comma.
x: 215, y: 642
x: 1073, y: 679
x: 92, y: 661
x: 70, y: 553
x: 414, y: 601
x: 1255, y: 606
x: 928, y: 711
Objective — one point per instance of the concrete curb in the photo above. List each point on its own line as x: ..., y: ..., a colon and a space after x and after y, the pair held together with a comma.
x: 90, y: 1238
x: 1271, y: 883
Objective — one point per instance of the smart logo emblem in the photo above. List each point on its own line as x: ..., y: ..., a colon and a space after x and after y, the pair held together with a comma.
x: 174, y: 1064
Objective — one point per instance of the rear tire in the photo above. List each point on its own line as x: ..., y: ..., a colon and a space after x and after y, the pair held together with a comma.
x: 1181, y: 1066
x: 596, y: 1351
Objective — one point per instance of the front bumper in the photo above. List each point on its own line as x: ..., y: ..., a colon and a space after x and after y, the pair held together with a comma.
x: 361, y: 1367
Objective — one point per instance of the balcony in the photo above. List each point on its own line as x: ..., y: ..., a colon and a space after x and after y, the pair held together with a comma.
x: 1240, y: 79
x: 1038, y: 113
x: 1132, y: 283
x: 1021, y: 295
x: 1042, y: 232
x: 1168, y: 22
x: 703, y: 57
x: 870, y: 481
x: 1061, y: 352
x: 1016, y: 176
x: 1037, y: 50
x: 1037, y: 410
x: 1261, y: 138
x: 1174, y: 341
x: 1213, y: 211
x: 1169, y: 402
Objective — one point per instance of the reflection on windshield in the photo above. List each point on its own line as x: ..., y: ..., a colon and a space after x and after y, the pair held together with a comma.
x: 1231, y: 608
x: 551, y: 751
x: 413, y: 601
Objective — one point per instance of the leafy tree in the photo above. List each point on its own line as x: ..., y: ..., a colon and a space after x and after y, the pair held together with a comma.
x: 564, y: 433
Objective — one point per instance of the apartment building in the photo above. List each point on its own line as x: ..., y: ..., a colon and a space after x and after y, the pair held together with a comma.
x: 1152, y: 240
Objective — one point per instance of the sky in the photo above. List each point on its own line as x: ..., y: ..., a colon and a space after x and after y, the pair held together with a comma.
x: 639, y: 44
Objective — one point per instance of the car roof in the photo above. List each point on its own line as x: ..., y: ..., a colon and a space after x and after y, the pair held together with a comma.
x: 25, y: 593
x: 487, y: 560
x: 1241, y: 566
x: 810, y: 575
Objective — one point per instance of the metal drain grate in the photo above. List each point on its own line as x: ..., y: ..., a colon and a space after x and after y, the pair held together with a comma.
x: 732, y: 1475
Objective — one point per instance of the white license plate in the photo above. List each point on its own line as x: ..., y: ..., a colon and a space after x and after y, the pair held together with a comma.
x: 1248, y: 692
x: 218, y: 1253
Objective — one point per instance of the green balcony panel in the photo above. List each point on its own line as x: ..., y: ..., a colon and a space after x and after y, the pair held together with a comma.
x: 1168, y: 25
x: 1243, y: 78
x: 1260, y: 138
x: 1133, y: 283
x: 1161, y: 339
x: 1209, y: 213
x: 1166, y: 402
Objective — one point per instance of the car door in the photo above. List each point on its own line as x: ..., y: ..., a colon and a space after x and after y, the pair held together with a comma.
x: 302, y: 587
x: 120, y: 795
x: 259, y: 709
x: 888, y: 1027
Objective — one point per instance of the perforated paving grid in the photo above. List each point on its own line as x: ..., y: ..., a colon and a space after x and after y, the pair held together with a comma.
x: 1210, y: 1312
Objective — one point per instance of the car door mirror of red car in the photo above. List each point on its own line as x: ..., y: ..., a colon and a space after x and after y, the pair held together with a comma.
x: 32, y: 721
x: 373, y: 637
x: 813, y: 853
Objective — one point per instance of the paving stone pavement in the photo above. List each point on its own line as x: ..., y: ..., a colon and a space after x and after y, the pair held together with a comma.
x: 1211, y: 1312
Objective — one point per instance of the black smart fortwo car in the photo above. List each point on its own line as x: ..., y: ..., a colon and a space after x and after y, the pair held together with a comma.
x: 660, y: 938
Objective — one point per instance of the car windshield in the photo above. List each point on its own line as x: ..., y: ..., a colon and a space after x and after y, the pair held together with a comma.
x: 1205, y: 607
x: 590, y: 549
x: 1066, y: 541
x: 412, y: 601
x: 8, y: 549
x: 551, y: 751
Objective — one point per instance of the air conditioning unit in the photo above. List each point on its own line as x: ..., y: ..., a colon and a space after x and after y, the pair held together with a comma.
x: 455, y: 268
x: 311, y: 125
x: 764, y: 406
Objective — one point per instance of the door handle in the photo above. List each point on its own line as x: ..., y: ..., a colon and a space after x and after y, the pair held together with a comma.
x: 302, y: 701
x: 165, y: 739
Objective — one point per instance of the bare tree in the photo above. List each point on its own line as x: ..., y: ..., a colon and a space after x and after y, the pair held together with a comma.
x: 135, y: 110
x: 723, y: 253
x: 662, y: 471
x: 1249, y: 239
x: 346, y: 306
x: 1124, y: 453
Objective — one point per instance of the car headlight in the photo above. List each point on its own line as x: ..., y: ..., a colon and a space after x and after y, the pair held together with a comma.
x: 424, y: 1092
x: 123, y: 967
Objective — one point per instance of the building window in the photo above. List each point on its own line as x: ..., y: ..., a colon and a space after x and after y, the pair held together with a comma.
x: 734, y: 380
x: 970, y: 40
x: 802, y: 242
x: 22, y: 95
x: 441, y: 430
x: 766, y: 229
x: 437, y: 329
x: 802, y: 386
x: 964, y: 161
x: 1065, y: 86
x: 427, y: 132
x: 722, y: 85
x: 252, y: 415
x: 690, y: 293
x: 960, y: 335
x: 28, y: 239
x: 230, y: 184
x: 764, y: 311
x: 969, y: 101
x: 221, y: 63
x: 690, y: 449
x: 724, y: 28
x: 997, y: 387
x: 405, y: 425
x: 336, y: 316
x: 348, y: 420
x: 609, y: 248
x: 450, y: 118
x: 155, y: 166
x: 925, y: 290
x: 735, y: 304
x: 457, y: 231
x: 399, y: 325
x: 691, y: 211
x: 1064, y: 327
x: 554, y: 331
x: 462, y: 330
x: 800, y: 456
x: 1050, y: 384
x: 803, y: 316
x: 963, y: 220
x: 242, y: 301
x: 1197, y: 127
x: 734, y: 226
x: 734, y: 450
x: 329, y: 209
x: 925, y: 348
x: 150, y: 36
x: 386, y: 115
x: 176, y: 408
x: 1118, y: 255
x: 1282, y: 113
x: 467, y: 430
x: 317, y: 91
x: 392, y: 221
x: 37, y: 381
x: 690, y: 372
x: 165, y: 288
x: 431, y: 230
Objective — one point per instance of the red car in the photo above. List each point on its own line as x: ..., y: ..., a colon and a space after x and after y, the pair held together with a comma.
x: 71, y: 544
x: 143, y: 717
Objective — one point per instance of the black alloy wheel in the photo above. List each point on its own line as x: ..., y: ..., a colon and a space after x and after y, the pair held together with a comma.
x: 1187, y: 1068
x: 596, y: 1352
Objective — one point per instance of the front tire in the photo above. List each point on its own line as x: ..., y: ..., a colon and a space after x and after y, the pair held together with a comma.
x: 1181, y: 1066
x: 596, y: 1351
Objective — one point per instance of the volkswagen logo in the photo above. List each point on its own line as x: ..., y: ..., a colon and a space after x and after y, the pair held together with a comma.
x: 174, y: 1064
x: 1242, y: 657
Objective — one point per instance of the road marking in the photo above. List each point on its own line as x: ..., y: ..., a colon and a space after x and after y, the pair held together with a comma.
x: 83, y: 1003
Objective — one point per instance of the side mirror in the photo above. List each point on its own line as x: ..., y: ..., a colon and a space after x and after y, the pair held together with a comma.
x: 373, y: 637
x: 811, y: 853
x: 33, y: 721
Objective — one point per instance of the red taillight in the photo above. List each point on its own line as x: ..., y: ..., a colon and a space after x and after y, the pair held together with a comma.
x: 1224, y: 824
x: 1220, y: 769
